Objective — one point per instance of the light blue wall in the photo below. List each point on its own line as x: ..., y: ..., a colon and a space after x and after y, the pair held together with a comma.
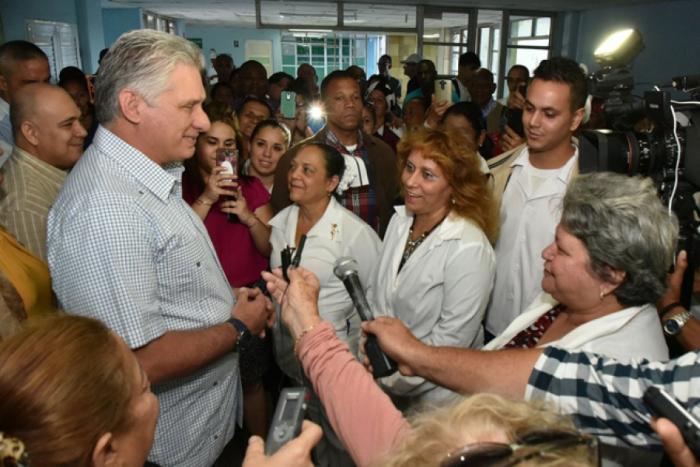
x: 92, y: 38
x: 14, y: 14
x: 221, y: 39
x: 671, y: 31
x: 116, y: 21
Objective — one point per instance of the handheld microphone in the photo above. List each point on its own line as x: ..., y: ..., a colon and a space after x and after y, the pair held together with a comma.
x: 345, y: 269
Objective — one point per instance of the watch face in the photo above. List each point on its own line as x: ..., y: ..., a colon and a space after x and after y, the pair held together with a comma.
x: 672, y: 327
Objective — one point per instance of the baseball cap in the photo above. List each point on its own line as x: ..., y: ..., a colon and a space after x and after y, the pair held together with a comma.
x: 413, y: 58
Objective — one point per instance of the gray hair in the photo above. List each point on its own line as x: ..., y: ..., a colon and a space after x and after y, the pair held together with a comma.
x: 140, y: 60
x: 624, y: 226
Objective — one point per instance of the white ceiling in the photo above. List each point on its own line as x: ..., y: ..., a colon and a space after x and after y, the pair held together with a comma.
x: 242, y: 12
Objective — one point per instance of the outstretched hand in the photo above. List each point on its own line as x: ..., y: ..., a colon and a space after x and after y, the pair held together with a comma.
x: 296, y: 453
x: 298, y: 299
x: 396, y: 340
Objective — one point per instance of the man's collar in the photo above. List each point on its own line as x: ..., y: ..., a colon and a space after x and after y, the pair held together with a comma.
x: 159, y: 180
x: 26, y: 157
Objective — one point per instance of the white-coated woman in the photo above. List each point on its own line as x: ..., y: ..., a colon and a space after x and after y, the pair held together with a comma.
x: 437, y: 264
x: 331, y: 232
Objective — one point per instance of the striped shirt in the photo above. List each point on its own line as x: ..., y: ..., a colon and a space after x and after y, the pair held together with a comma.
x: 125, y: 248
x: 31, y: 186
x: 604, y: 396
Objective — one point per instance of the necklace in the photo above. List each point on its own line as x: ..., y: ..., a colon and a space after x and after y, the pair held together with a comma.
x: 412, y: 245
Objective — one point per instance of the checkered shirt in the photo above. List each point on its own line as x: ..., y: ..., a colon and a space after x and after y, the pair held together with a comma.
x: 605, y: 396
x: 361, y: 200
x: 125, y: 248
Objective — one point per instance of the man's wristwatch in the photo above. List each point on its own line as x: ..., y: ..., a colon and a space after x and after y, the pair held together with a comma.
x: 241, y: 328
x: 673, y: 325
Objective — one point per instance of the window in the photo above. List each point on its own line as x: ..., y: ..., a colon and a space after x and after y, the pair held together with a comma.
x: 327, y: 51
x: 59, y: 41
x: 158, y: 22
x: 529, y: 41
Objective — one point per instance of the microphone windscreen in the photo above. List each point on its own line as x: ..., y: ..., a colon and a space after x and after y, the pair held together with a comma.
x: 344, y: 267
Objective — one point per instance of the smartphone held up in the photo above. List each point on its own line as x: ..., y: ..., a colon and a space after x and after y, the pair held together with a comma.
x: 228, y: 159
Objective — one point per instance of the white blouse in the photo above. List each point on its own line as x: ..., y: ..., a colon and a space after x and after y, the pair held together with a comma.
x: 440, y: 293
x: 338, y: 233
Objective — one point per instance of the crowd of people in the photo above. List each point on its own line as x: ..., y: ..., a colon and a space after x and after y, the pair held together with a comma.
x: 146, y: 213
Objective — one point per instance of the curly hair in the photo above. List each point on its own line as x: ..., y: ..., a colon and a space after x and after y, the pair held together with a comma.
x: 455, y: 154
x: 481, y: 418
x: 624, y: 226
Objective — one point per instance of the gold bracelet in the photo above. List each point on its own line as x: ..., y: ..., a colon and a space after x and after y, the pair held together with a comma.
x: 202, y: 202
x: 300, y: 337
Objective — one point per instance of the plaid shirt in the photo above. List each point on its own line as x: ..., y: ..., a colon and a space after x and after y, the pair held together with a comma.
x: 125, y: 248
x: 361, y: 200
x: 605, y: 396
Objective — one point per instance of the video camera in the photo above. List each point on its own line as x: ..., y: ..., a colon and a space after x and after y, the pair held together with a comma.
x: 667, y: 150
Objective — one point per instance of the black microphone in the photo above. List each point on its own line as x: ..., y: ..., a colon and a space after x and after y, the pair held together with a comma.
x: 686, y: 83
x: 345, y: 269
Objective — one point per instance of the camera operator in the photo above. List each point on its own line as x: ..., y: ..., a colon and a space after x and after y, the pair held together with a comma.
x: 677, y: 321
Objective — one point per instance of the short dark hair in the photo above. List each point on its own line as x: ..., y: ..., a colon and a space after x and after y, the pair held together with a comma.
x: 18, y: 51
x: 335, y: 75
x: 567, y: 71
x: 522, y: 68
x: 471, y: 112
x: 275, y: 78
x: 249, y: 99
x: 470, y: 59
x: 225, y: 57
x: 72, y: 74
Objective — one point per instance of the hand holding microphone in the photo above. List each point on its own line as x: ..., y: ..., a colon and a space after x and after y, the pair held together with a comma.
x: 346, y: 270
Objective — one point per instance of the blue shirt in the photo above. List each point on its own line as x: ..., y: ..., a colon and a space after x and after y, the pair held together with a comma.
x: 125, y: 248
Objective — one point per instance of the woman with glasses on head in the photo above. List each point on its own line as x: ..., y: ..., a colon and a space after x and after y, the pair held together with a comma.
x: 482, y: 430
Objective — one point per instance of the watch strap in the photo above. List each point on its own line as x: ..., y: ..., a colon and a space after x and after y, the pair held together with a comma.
x: 240, y: 327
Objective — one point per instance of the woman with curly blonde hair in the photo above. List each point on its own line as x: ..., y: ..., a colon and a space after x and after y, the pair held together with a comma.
x: 488, y: 427
x: 437, y: 264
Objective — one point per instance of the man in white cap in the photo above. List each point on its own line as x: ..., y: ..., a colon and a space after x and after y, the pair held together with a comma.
x: 410, y: 69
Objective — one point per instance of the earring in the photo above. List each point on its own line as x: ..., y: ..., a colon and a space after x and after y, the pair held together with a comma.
x: 453, y: 201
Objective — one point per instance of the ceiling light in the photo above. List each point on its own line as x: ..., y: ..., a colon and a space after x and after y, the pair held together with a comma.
x: 619, y: 48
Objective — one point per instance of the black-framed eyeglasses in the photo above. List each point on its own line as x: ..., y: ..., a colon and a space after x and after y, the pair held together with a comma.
x: 532, y: 445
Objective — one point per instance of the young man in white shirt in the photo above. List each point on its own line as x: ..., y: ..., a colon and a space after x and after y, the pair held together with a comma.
x: 530, y: 181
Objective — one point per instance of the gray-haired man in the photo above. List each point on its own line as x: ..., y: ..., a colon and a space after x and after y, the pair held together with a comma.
x: 126, y: 249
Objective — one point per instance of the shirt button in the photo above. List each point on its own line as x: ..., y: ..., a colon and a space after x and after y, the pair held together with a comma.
x: 198, y: 264
x: 215, y: 383
x: 216, y: 436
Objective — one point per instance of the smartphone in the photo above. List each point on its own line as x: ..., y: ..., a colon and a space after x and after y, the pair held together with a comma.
x: 286, y: 423
x: 662, y: 404
x: 514, y: 119
x: 443, y: 90
x: 288, y: 104
x: 227, y: 158
x: 522, y: 89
